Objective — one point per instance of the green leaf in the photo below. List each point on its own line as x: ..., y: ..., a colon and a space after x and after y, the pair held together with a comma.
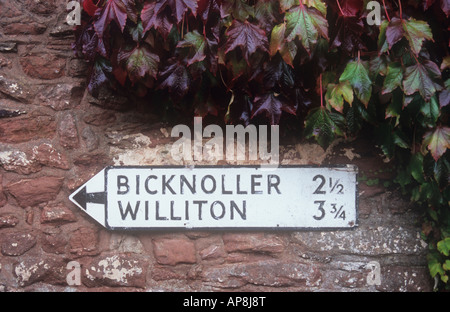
x: 197, y: 43
x: 416, y: 32
x: 437, y: 141
x: 137, y: 31
x: 395, y: 106
x: 421, y: 78
x: 323, y: 125
x: 141, y: 62
x: 400, y: 139
x: 444, y: 246
x: 413, y: 30
x: 318, y: 4
x: 287, y: 49
x: 446, y: 265
x: 287, y: 4
x: 382, y: 42
x: 336, y: 94
x: 431, y: 111
x: 393, y: 78
x: 307, y: 24
x: 416, y: 167
x: 434, y: 266
x: 357, y: 73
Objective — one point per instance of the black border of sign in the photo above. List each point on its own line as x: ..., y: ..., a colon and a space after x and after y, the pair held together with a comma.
x: 219, y: 229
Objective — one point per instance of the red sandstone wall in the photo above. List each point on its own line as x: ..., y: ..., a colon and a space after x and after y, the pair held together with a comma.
x: 64, y: 137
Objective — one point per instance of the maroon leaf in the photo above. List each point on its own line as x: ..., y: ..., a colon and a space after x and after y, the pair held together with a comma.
x: 209, y: 10
x: 427, y: 4
x: 445, y: 5
x: 176, y: 78
x: 347, y: 34
x: 246, y: 36
x: 180, y: 7
x: 239, y: 9
x: 99, y: 76
x: 394, y: 31
x: 153, y: 16
x: 271, y: 106
x: 141, y: 62
x: 114, y: 10
x: 90, y: 43
x: 349, y: 7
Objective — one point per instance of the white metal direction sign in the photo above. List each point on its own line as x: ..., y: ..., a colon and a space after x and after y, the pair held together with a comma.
x: 214, y: 197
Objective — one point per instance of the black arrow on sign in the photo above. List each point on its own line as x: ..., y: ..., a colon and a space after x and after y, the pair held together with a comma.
x: 82, y: 198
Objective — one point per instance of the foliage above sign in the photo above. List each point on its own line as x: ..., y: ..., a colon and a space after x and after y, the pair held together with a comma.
x: 316, y: 65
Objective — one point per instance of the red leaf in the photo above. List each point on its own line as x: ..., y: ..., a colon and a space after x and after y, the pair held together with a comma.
x: 427, y: 4
x: 153, y: 15
x: 445, y: 5
x: 114, y: 10
x: 348, y: 32
x: 394, y: 31
x: 246, y: 36
x: 207, y: 8
x: 271, y: 106
x: 180, y: 7
x: 349, y: 7
x: 89, y: 7
x: 176, y: 78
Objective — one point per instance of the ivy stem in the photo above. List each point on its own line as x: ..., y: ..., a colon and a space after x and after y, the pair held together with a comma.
x: 339, y: 5
x: 182, y: 27
x: 321, y: 91
x: 385, y: 11
x: 401, y: 10
x: 415, y: 57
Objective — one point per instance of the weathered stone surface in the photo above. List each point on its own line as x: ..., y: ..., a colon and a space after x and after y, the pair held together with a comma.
x: 25, y: 27
x: 107, y: 99
x: 30, y: 192
x: 8, y: 47
x: 16, y: 244
x: 15, y: 89
x: 8, y: 9
x: 2, y: 194
x: 213, y: 251
x: 115, y: 271
x: 5, y: 62
x: 41, y: 7
x: 100, y: 119
x: 405, y: 279
x: 8, y: 221
x: 18, y: 161
x: 48, y: 270
x: 43, y: 66
x: 68, y: 132
x: 378, y: 240
x: 90, y: 139
x: 84, y: 242
x: 54, y: 240
x: 47, y: 155
x: 78, y: 68
x: 254, y: 242
x: 126, y: 243
x: 62, y: 96
x: 163, y: 273
x: 57, y: 214
x: 264, y: 273
x: 172, y: 251
x: 31, y: 126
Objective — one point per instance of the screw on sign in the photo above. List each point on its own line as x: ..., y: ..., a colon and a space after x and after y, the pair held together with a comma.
x: 221, y: 197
